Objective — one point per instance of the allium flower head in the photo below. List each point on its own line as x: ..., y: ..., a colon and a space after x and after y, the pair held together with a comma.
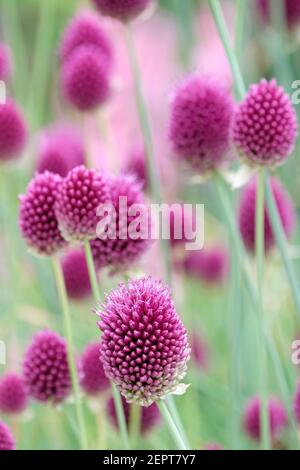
x: 211, y: 265
x: 7, y: 441
x: 76, y: 274
x: 79, y: 196
x: 277, y: 418
x: 85, y: 78
x: 144, y: 346
x: 137, y: 166
x: 37, y: 219
x: 92, y: 377
x: 149, y: 419
x: 85, y: 29
x: 296, y: 404
x: 265, y: 125
x: 200, y: 123
x: 292, y: 11
x: 120, y: 249
x: 60, y: 149
x: 5, y: 62
x: 13, y: 131
x: 45, y: 368
x: 247, y: 209
x: 13, y: 394
x: 123, y: 10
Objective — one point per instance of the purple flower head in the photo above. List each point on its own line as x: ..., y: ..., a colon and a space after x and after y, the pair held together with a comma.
x: 13, y: 394
x: 45, y: 368
x: 150, y: 417
x: 120, y: 249
x: 7, y: 441
x: 247, y: 209
x: 5, y: 62
x: 76, y: 274
x: 265, y: 125
x: 60, y: 149
x: 200, y: 123
x: 292, y: 11
x: 13, y: 131
x: 137, y: 166
x: 37, y: 219
x: 211, y: 265
x: 277, y: 418
x: 123, y: 10
x: 79, y: 196
x: 85, y: 78
x: 85, y: 29
x: 92, y: 377
x: 144, y: 347
x: 296, y: 404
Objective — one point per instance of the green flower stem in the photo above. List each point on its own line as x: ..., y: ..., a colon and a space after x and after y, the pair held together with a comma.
x: 135, y: 416
x: 171, y: 425
x: 97, y: 297
x: 61, y: 288
x: 260, y: 260
x: 120, y: 417
x: 241, y: 11
x: 174, y: 412
x: 147, y: 137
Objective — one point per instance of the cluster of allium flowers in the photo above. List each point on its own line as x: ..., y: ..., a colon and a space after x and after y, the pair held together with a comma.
x: 7, y: 441
x: 92, y: 377
x: 45, y: 368
x: 247, y: 210
x: 150, y: 416
x: 265, y: 125
x: 137, y: 166
x: 277, y: 418
x: 60, y: 149
x: 13, y: 131
x: 144, y: 347
x: 76, y: 274
x: 85, y: 29
x: 79, y: 196
x: 211, y: 265
x: 5, y: 62
x: 118, y: 247
x: 37, y: 219
x: 296, y: 404
x: 123, y: 10
x: 292, y: 11
x: 13, y: 394
x: 200, y: 123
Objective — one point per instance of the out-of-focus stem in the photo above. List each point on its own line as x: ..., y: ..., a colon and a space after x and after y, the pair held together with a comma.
x: 174, y: 412
x: 61, y: 288
x: 241, y: 10
x: 171, y: 425
x: 92, y: 271
x: 135, y: 417
x: 120, y: 417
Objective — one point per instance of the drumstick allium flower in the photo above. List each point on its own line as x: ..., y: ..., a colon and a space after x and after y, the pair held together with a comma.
x: 79, y: 196
x: 200, y: 123
x: 13, y: 394
x: 13, y: 131
x: 291, y: 8
x: 144, y: 346
x: 7, y: 441
x: 246, y: 214
x: 265, y: 125
x: 37, y: 220
x: 123, y: 10
x: 92, y: 377
x: 76, y: 274
x: 45, y: 368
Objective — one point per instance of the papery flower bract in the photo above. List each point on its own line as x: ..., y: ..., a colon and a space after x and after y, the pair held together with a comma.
x: 45, y: 368
x: 79, y: 196
x: 92, y: 377
x: 200, y: 123
x: 247, y: 210
x: 291, y: 8
x: 13, y: 131
x: 5, y: 62
x: 265, y: 125
x: 150, y: 416
x: 37, y: 218
x: 76, y: 274
x: 60, y: 149
x: 123, y: 10
x: 7, y: 441
x: 13, y: 394
x: 144, y: 346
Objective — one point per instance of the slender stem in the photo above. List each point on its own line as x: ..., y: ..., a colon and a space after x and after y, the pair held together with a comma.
x: 135, y: 416
x: 69, y: 335
x: 92, y: 271
x: 121, y: 417
x: 224, y: 34
x: 241, y: 10
x: 171, y: 425
x: 260, y: 259
x: 282, y: 243
x: 147, y: 136
x: 174, y: 412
